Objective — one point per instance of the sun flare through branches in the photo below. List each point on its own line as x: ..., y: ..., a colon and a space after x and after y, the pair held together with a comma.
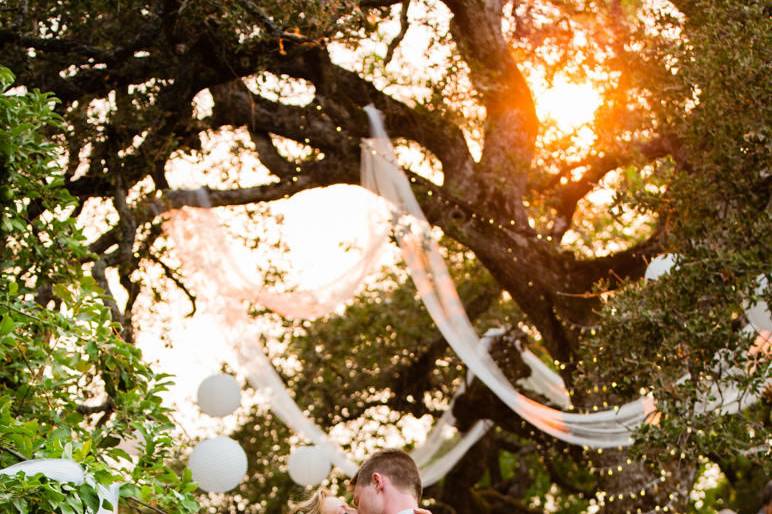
x: 569, y: 105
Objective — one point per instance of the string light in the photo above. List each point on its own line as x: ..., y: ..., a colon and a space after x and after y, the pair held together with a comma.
x: 614, y: 468
x: 610, y: 469
x: 618, y: 467
x: 634, y: 494
x: 665, y: 508
x: 523, y: 232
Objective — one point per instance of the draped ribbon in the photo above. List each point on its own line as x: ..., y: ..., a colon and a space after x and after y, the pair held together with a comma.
x: 611, y: 428
x: 224, y: 287
x: 222, y: 276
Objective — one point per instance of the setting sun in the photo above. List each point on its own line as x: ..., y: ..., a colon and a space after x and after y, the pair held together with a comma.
x: 568, y: 104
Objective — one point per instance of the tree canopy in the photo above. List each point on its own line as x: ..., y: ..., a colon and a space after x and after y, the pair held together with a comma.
x: 679, y: 143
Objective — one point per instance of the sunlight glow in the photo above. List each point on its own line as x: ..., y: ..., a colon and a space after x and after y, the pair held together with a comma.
x: 568, y: 104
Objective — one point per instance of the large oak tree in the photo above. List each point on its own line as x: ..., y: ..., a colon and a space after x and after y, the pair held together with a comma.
x: 680, y: 137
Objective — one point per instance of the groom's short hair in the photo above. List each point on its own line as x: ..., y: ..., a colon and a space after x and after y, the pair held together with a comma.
x: 395, y: 464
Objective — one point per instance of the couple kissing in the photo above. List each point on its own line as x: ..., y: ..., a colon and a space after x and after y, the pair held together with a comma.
x: 387, y: 483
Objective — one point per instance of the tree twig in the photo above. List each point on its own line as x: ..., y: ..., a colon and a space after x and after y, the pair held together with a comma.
x: 93, y: 409
x: 14, y: 453
x: 145, y: 505
x: 172, y: 275
x: 269, y: 23
x: 403, y: 30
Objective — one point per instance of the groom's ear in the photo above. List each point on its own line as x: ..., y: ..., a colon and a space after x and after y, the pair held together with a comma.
x: 378, y: 481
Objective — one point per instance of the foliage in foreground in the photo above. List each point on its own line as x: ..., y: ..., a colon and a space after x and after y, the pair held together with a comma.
x: 70, y: 386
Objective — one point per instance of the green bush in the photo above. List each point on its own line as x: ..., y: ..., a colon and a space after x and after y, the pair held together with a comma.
x: 70, y: 387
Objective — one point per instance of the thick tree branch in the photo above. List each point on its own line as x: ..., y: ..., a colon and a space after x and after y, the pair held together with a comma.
x: 565, y: 199
x: 342, y: 94
x: 511, y: 124
x: 394, y: 43
x: 235, y: 105
x: 66, y: 46
x: 526, y: 265
x: 91, y: 81
x: 271, y: 157
x: 176, y: 199
x: 628, y: 264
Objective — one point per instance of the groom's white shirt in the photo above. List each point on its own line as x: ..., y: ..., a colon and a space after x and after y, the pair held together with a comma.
x: 406, y: 511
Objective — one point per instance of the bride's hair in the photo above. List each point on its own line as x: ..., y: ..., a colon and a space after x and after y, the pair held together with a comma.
x: 312, y: 505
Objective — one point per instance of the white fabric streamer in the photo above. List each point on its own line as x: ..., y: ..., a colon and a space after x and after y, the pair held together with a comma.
x: 223, y: 287
x: 382, y: 175
x: 543, y: 380
x: 61, y: 470
x: 222, y: 278
x: 262, y: 375
x: 235, y: 267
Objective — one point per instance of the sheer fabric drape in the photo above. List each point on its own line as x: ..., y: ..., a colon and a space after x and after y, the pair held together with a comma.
x: 224, y: 278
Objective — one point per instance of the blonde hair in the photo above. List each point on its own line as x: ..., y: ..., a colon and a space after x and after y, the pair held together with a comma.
x: 312, y: 505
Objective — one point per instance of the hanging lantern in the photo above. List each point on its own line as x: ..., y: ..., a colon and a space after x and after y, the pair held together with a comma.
x: 218, y: 464
x: 219, y: 395
x: 308, y: 465
x: 758, y: 314
x: 660, y: 265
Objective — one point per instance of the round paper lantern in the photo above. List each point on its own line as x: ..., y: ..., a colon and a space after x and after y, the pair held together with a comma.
x: 758, y: 314
x: 218, y: 464
x: 219, y: 395
x: 660, y: 265
x: 308, y: 465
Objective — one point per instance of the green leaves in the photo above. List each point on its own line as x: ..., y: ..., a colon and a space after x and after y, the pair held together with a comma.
x: 715, y: 215
x: 6, y: 325
x: 69, y: 386
x: 6, y: 78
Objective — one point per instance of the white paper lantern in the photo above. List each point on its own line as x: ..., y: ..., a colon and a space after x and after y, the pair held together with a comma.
x: 308, y: 465
x: 660, y: 265
x: 218, y: 464
x: 758, y: 314
x: 219, y: 395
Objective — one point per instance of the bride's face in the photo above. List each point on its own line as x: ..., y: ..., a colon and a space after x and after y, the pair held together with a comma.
x: 334, y: 505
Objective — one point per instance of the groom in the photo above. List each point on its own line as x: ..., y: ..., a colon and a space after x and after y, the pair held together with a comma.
x: 388, y: 483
